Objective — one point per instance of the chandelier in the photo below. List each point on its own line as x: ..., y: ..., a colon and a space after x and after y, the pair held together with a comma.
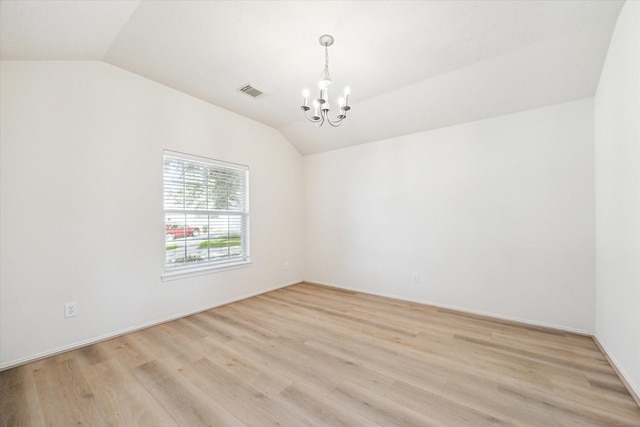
x: 321, y: 104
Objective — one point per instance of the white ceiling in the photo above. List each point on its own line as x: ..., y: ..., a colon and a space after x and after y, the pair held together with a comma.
x: 411, y: 65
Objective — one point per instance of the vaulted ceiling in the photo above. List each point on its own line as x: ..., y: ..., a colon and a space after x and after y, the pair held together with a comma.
x: 411, y: 65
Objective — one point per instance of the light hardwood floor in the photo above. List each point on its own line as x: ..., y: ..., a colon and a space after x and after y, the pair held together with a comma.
x: 312, y: 355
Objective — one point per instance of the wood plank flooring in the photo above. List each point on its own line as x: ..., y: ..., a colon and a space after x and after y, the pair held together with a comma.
x: 309, y: 355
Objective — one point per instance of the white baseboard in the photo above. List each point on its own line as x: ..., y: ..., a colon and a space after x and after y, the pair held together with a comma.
x: 84, y: 343
x: 614, y: 365
x: 619, y: 372
x: 461, y: 309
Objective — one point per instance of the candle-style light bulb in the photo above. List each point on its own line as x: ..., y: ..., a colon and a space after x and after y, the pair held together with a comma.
x: 305, y: 95
x: 324, y: 90
x: 347, y: 92
x: 341, y: 111
x: 316, y: 116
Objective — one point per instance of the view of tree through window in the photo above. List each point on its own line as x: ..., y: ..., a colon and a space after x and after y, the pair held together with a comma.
x: 206, y: 212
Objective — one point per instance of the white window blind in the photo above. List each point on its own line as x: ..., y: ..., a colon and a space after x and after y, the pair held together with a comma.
x: 206, y: 210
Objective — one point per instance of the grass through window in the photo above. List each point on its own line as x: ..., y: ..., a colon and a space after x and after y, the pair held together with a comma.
x: 222, y: 242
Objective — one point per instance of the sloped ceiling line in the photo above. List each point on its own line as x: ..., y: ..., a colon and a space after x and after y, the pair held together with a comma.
x: 412, y: 66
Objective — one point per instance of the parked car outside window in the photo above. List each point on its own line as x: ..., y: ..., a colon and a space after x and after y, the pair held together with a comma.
x: 177, y: 231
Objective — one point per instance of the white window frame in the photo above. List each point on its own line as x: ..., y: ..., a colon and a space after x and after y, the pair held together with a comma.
x: 209, y: 264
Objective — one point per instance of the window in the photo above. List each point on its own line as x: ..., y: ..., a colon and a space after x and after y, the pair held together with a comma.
x: 206, y: 213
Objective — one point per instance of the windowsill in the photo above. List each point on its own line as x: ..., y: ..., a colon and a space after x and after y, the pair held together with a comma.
x: 199, y: 271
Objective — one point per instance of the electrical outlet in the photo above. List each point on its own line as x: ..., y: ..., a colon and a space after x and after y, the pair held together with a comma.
x: 415, y: 278
x: 70, y: 309
x: 285, y: 265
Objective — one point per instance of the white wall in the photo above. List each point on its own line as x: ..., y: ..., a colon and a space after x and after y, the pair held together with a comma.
x: 617, y: 159
x: 497, y: 216
x: 81, y: 203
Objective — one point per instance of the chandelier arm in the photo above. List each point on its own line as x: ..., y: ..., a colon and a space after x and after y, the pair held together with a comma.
x: 310, y: 118
x: 333, y: 123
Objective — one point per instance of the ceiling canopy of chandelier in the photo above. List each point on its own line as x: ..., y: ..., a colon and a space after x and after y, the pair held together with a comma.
x: 321, y: 104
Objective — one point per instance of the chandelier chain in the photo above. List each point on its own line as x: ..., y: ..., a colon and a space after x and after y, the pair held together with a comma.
x: 325, y: 73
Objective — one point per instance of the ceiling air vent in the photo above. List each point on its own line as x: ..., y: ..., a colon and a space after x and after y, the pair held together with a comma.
x: 252, y: 91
